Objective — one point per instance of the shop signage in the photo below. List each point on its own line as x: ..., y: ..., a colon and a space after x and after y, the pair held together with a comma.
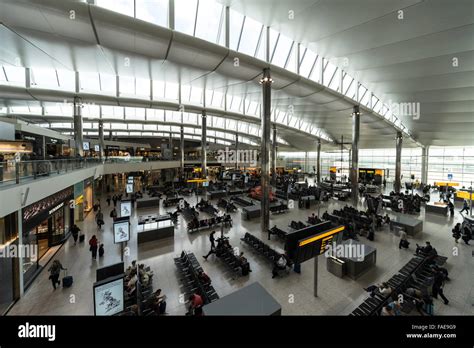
x: 40, y: 210
x: 56, y: 208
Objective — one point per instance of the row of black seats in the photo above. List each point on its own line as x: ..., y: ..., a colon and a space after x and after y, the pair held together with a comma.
x: 417, y: 274
x: 226, y: 253
x: 189, y: 213
x: 278, y: 209
x: 172, y: 201
x: 244, y: 202
x: 262, y: 248
x: 189, y: 268
x: 278, y: 232
x: 297, y: 225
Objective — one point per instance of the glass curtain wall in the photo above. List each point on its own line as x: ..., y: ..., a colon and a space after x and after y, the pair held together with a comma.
x: 454, y: 161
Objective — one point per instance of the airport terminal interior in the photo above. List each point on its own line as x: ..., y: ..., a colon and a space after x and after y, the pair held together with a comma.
x: 236, y: 157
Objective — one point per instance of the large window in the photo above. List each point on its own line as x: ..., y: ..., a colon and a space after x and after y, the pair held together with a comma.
x: 185, y: 15
x: 455, y: 162
x: 153, y: 11
x: 209, y: 24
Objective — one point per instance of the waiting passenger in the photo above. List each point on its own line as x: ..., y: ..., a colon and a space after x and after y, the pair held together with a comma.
x: 383, y: 289
x: 244, y: 264
x: 279, y: 265
x: 195, y: 305
x: 387, y: 311
x: 203, y: 277
x: 426, y: 249
x: 159, y: 303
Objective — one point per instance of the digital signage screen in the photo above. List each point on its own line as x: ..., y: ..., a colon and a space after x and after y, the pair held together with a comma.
x: 121, y: 231
x: 108, y: 296
x: 125, y: 208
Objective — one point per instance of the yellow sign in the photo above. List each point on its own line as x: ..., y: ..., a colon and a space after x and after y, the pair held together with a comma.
x: 321, y: 236
x: 332, y: 169
x: 464, y: 195
x: 79, y: 200
x: 379, y: 172
x: 442, y: 183
x: 197, y: 180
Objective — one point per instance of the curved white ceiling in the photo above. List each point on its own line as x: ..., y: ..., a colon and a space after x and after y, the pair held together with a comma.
x: 42, y: 35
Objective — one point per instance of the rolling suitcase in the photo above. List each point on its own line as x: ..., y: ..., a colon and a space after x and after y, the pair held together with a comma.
x: 82, y: 238
x: 67, y: 280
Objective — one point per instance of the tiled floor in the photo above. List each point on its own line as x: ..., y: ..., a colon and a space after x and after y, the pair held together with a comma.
x: 294, y: 292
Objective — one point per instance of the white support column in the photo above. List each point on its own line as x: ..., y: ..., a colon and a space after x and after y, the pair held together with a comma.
x: 322, y: 69
x: 27, y: 78
x: 424, y: 164
x: 171, y: 22
x: 227, y: 26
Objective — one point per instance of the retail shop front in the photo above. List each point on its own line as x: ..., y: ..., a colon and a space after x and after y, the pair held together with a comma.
x: 46, y: 223
x: 9, y: 265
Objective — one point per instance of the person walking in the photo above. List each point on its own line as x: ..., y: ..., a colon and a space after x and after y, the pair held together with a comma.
x: 113, y: 213
x: 99, y: 219
x: 114, y: 198
x: 101, y: 250
x: 465, y: 207
x: 108, y: 200
x: 403, y: 240
x: 457, y: 232
x: 54, y: 272
x: 75, y: 233
x: 93, y: 243
x: 212, y: 239
x: 438, y: 286
x: 467, y: 235
x: 451, y: 208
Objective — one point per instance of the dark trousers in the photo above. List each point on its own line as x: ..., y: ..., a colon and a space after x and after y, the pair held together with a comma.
x: 210, y: 252
x: 55, y: 280
x: 75, y: 236
x: 439, y: 291
x: 465, y: 209
x: 94, y: 252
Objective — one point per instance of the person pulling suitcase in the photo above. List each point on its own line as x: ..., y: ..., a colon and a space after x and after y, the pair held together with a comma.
x: 54, y: 272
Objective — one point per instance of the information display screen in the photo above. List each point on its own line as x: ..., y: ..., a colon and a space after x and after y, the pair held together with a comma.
x: 108, y: 296
x: 316, y: 245
x: 121, y: 231
x: 129, y: 188
x: 96, y: 148
x: 125, y: 208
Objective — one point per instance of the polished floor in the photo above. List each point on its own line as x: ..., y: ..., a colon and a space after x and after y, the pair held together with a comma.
x: 294, y: 292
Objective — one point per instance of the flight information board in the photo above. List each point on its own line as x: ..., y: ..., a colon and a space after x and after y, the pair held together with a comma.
x: 316, y: 245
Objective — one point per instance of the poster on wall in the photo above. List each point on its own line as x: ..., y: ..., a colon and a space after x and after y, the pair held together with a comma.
x: 108, y: 296
x: 121, y: 231
x: 125, y: 208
